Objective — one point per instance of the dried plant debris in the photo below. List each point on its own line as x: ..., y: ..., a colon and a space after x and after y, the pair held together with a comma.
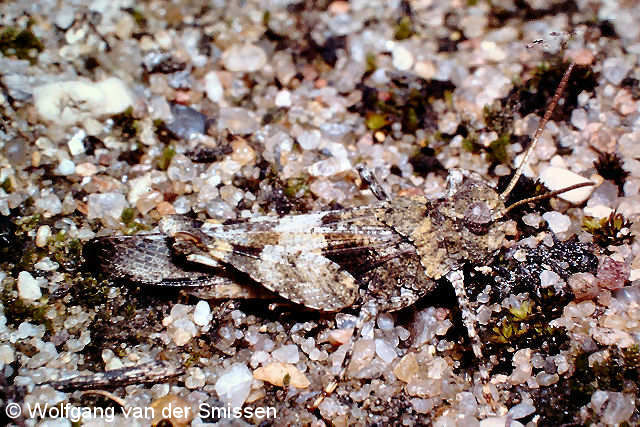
x: 152, y: 372
x: 610, y: 166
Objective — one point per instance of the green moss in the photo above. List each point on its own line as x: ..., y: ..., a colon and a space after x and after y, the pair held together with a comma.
x: 498, y: 149
x: 135, y: 227
x: 407, y: 100
x: 524, y: 326
x: 93, y: 292
x: 163, y: 133
x: 28, y: 223
x: 498, y: 118
x: 17, y: 311
x: 30, y: 256
x: 65, y: 251
x: 274, y: 115
x: 129, y: 311
x: 534, y: 95
x: 165, y: 158
x: 470, y: 144
x: 196, y: 350
x: 512, y: 325
x: 523, y: 312
x: 404, y: 28
x: 138, y: 17
x: 372, y: 62
x: 296, y: 187
x: 126, y: 123
x: 128, y: 215
x: 620, y: 367
x: 376, y: 121
x: 20, y: 43
x: 7, y: 186
x: 411, y: 118
x: 616, y: 373
x: 614, y: 230
x: 448, y: 98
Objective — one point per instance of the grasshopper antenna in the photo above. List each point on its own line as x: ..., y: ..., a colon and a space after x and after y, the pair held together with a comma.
x: 548, y: 195
x: 536, y: 136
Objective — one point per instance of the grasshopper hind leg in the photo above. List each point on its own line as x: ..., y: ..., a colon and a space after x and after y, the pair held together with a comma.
x: 368, y: 312
x: 470, y: 319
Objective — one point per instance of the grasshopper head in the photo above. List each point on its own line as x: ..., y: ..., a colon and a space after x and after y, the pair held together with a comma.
x: 463, y: 225
x: 477, y: 205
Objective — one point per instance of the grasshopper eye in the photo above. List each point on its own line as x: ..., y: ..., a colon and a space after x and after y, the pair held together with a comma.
x: 478, y: 214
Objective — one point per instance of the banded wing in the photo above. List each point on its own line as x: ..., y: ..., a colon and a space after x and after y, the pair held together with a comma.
x: 148, y: 259
x: 318, y: 260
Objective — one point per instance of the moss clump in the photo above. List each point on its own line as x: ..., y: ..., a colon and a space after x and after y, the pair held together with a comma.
x: 163, y: 133
x: 7, y: 185
x: 498, y: 150
x: 407, y: 100
x: 135, y: 227
x: 470, y: 144
x: 619, y: 371
x: 534, y: 95
x: 560, y: 404
x: 65, y: 251
x: 17, y: 311
x: 296, y: 187
x: 514, y: 324
x: 614, y: 230
x: 127, y: 215
x: 525, y: 326
x: 425, y: 161
x: 165, y: 158
x: 28, y: 223
x: 197, y: 349
x: 499, y: 118
x: 372, y: 62
x: 20, y: 43
x: 88, y: 291
x: 138, y: 17
x: 126, y: 123
x: 274, y: 115
x: 29, y: 257
x: 376, y: 121
x: 403, y: 29
x: 609, y: 166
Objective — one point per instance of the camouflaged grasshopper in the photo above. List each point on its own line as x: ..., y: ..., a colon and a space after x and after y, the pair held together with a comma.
x: 381, y: 258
